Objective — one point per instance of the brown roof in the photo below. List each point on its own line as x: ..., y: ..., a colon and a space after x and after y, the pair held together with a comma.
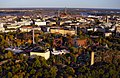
x: 81, y: 42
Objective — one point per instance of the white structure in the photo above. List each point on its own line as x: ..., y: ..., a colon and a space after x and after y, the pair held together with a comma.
x: 112, y: 28
x: 15, y: 50
x: 92, y: 58
x: 13, y: 26
x: 82, y: 20
x: 118, y: 29
x: 108, y: 24
x: 25, y: 29
x: 100, y: 29
x: 48, y: 29
x: 68, y: 21
x: 10, y: 30
x: 46, y: 54
x: 107, y: 34
x: 28, y: 29
x: 90, y: 29
x: 40, y: 23
x: 59, y: 52
x: 2, y: 29
x: 24, y: 23
x: 33, y: 36
x: 1, y: 24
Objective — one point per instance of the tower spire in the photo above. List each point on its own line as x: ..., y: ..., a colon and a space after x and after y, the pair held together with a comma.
x: 65, y: 10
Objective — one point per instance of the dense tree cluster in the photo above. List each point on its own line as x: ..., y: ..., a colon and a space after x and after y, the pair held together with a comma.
x: 75, y: 64
x: 19, y: 66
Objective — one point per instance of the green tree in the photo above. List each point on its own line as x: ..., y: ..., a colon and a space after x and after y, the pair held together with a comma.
x: 37, y: 63
x: 9, y: 75
x: 21, y: 57
x: 53, y: 71
x: 15, y: 76
x: 46, y: 74
x: 32, y: 71
x: 0, y: 71
x: 70, y: 70
x: 9, y: 54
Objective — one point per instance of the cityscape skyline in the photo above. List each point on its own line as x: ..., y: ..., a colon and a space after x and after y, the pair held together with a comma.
x: 59, y: 39
x: 108, y: 4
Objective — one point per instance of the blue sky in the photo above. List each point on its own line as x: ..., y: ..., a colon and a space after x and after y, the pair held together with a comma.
x: 61, y: 3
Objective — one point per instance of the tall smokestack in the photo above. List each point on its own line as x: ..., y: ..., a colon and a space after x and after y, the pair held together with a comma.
x: 92, y: 58
x: 33, y: 37
x: 76, y: 30
x: 107, y: 19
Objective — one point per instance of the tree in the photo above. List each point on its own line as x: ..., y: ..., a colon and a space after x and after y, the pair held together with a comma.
x: 53, y: 71
x: 15, y: 76
x: 70, y: 70
x: 21, y: 57
x: 9, y: 75
x: 9, y: 54
x: 46, y: 74
x: 39, y: 73
x: 27, y: 75
x: 32, y: 71
x: 73, y: 50
x: 0, y: 71
x: 37, y: 63
x: 1, y: 57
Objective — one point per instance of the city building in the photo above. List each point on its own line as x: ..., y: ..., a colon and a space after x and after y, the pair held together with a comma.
x: 2, y: 29
x: 45, y: 54
x: 62, y: 31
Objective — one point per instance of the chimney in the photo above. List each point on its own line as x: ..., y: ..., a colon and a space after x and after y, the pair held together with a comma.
x: 92, y: 58
x: 33, y: 37
x: 107, y: 20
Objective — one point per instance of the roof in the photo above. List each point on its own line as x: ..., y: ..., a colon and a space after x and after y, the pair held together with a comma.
x: 81, y: 42
x: 26, y: 27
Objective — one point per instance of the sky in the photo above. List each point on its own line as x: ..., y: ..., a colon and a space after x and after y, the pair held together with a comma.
x: 110, y: 4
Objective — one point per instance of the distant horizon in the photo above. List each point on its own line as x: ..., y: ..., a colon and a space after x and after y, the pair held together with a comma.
x: 53, y: 7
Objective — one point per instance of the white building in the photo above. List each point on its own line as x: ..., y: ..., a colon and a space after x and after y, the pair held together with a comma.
x: 40, y: 23
x: 14, y: 50
x: 25, y: 29
x: 45, y: 54
x: 107, y: 34
x: 11, y: 30
x: 90, y: 29
x: 59, y: 52
x: 24, y: 23
x: 13, y: 26
x: 28, y: 28
x: 100, y: 29
x: 82, y: 20
x: 112, y: 28
x: 2, y: 29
